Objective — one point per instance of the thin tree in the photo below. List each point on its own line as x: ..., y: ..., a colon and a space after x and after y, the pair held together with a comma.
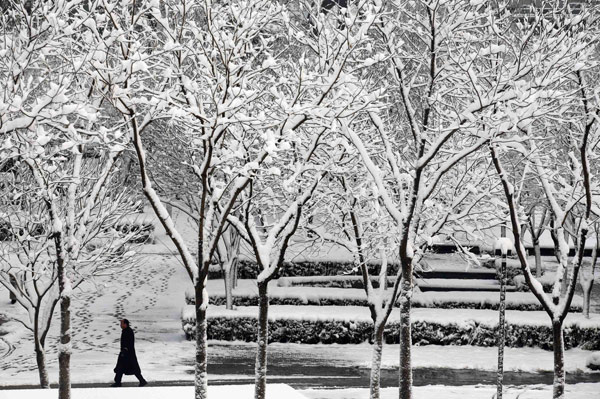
x: 561, y: 195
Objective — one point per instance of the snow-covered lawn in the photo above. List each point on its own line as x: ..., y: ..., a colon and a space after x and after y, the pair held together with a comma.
x: 579, y: 391
x: 214, y: 392
x: 151, y: 296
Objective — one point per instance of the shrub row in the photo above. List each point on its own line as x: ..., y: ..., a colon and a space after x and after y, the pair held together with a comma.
x: 331, y: 281
x: 547, y: 282
x: 5, y: 231
x: 249, y: 270
x: 423, y: 333
x: 219, y: 300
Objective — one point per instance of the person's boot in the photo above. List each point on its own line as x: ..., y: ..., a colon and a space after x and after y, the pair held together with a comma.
x: 116, y: 384
x: 143, y: 383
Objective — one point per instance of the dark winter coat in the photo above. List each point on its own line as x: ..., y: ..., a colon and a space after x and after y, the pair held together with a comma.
x: 127, y: 363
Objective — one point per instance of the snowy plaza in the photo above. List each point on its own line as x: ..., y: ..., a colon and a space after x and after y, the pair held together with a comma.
x: 311, y: 199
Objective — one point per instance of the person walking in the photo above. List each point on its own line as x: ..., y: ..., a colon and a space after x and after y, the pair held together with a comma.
x: 127, y: 363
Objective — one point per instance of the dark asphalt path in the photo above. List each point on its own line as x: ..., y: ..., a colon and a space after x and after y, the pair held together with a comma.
x: 321, y: 377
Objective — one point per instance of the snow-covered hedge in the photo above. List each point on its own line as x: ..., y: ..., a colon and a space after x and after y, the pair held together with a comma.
x: 513, y: 267
x: 418, y: 302
x: 249, y: 270
x: 424, y: 332
x: 547, y: 281
x: 593, y: 361
x: 5, y: 231
x: 143, y: 230
x: 330, y: 281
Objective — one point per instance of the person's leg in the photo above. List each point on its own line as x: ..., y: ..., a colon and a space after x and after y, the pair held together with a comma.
x: 140, y: 379
x: 118, y: 377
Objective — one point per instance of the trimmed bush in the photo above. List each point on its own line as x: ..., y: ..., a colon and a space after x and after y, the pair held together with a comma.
x: 331, y: 281
x: 513, y: 267
x: 5, y: 231
x: 249, y: 270
x: 142, y: 230
x: 423, y: 333
x: 547, y: 281
x: 593, y: 361
x: 219, y: 300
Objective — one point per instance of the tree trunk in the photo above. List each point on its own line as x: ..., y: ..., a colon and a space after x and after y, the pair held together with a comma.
x: 586, y: 303
x: 406, y: 377
x: 201, y: 383
x: 565, y: 281
x: 64, y: 350
x: 234, y: 274
x: 263, y: 340
x: 375, y: 383
x: 586, y: 286
x: 40, y: 357
x: 587, y: 280
x: 559, y: 361
x: 228, y: 287
x: 64, y: 353
x: 501, y: 328
x: 538, y: 258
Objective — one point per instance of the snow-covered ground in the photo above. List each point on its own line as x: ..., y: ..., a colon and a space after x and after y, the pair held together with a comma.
x: 580, y: 391
x: 151, y: 296
x: 214, y: 392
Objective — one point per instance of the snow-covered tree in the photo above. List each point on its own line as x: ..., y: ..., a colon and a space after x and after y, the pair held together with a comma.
x: 28, y: 263
x: 269, y: 225
x: 207, y: 71
x: 350, y: 215
x: 554, y: 117
x: 440, y: 75
x: 63, y: 157
x: 309, y: 93
x: 587, y: 274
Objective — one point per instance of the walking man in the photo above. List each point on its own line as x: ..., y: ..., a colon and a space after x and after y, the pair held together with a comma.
x: 127, y: 363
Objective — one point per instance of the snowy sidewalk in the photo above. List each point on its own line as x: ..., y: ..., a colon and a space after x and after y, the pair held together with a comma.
x: 214, y: 392
x: 579, y: 391
x: 277, y: 391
